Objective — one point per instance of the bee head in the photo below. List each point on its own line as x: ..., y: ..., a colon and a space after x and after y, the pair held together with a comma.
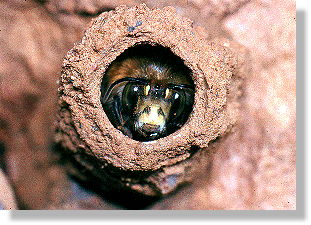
x: 146, y: 97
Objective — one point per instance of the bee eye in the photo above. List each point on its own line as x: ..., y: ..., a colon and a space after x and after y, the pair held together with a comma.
x: 130, y: 96
x: 181, y: 106
x: 178, y: 102
x: 176, y: 95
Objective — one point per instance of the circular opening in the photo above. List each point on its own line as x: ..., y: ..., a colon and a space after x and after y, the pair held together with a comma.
x: 147, y: 92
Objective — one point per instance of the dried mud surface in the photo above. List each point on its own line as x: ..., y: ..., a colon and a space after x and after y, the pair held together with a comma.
x: 252, y: 168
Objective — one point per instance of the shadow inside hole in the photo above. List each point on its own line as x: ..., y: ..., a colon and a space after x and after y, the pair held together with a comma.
x: 104, y: 184
x: 123, y: 199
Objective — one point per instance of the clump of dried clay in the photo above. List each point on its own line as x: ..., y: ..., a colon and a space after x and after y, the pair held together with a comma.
x: 99, y: 151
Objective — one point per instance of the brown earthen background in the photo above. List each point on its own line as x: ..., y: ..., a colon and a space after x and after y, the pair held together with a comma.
x: 253, y: 168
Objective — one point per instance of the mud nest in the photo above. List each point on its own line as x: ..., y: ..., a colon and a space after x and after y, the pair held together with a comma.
x: 98, y: 151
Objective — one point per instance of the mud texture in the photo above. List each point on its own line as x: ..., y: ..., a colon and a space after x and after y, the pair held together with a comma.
x: 251, y: 168
x: 84, y: 128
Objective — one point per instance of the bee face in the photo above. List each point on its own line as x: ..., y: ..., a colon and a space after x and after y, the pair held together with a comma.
x: 152, y: 112
x: 147, y: 98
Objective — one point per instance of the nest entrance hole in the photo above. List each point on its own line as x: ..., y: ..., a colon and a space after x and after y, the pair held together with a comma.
x: 147, y: 92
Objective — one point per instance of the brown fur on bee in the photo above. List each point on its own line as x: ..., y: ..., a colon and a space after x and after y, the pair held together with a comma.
x: 147, y: 92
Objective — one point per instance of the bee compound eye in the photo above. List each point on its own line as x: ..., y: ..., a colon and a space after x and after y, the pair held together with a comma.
x: 130, y: 95
x: 176, y: 96
x: 177, y: 104
x: 181, y: 107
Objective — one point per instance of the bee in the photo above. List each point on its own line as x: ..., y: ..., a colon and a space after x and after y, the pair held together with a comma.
x: 147, y: 92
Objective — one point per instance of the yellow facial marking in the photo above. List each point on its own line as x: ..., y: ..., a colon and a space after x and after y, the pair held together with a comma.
x: 153, y: 117
x: 167, y: 92
x: 147, y: 89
